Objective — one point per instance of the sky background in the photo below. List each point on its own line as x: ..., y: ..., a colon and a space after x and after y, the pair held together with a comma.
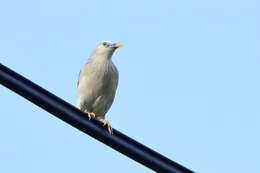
x: 189, y: 83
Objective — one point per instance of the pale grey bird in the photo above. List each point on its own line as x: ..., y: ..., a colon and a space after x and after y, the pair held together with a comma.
x: 97, y: 83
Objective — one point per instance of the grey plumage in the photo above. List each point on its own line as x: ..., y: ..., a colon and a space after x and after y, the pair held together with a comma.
x: 98, y: 80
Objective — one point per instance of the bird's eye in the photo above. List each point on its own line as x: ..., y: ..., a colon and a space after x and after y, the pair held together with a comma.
x: 105, y: 44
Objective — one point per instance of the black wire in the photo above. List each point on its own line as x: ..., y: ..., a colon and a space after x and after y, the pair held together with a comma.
x: 79, y: 120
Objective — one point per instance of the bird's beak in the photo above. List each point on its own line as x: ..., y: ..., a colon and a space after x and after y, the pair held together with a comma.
x: 118, y: 45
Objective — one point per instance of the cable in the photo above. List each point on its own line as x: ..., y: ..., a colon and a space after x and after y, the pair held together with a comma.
x: 79, y: 120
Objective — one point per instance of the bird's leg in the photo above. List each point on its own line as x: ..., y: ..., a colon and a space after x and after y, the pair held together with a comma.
x: 105, y: 122
x: 93, y: 114
x: 90, y: 114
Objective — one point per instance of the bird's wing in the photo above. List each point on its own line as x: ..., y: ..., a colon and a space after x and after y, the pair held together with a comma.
x: 83, y: 70
x: 79, y: 78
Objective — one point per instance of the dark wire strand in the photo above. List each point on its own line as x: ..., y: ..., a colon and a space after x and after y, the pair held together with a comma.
x: 76, y: 118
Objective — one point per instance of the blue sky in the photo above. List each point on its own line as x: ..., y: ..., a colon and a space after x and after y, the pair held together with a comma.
x: 188, y: 88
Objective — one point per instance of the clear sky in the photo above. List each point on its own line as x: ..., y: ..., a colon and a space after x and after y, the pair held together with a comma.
x: 188, y: 88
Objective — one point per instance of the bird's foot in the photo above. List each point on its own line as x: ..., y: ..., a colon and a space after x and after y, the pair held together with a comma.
x: 90, y: 114
x: 105, y: 122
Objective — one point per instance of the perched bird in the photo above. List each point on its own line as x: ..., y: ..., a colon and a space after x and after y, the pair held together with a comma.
x: 97, y: 83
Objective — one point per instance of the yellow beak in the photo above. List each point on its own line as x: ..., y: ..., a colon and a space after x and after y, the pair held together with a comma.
x: 118, y: 45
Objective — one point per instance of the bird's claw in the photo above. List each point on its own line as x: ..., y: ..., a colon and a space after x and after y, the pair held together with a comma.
x: 90, y: 115
x: 109, y: 128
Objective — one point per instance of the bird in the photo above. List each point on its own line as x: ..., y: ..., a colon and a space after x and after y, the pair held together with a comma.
x: 97, y: 82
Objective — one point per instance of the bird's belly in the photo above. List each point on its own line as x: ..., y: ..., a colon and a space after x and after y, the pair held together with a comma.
x: 96, y: 97
x: 102, y: 105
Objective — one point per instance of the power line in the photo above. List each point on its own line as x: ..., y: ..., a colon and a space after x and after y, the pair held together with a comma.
x: 79, y: 120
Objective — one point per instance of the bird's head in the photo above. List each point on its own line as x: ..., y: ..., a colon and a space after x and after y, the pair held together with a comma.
x: 105, y: 48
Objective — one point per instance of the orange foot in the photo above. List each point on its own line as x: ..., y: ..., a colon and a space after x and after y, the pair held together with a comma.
x: 105, y: 122
x: 90, y: 114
